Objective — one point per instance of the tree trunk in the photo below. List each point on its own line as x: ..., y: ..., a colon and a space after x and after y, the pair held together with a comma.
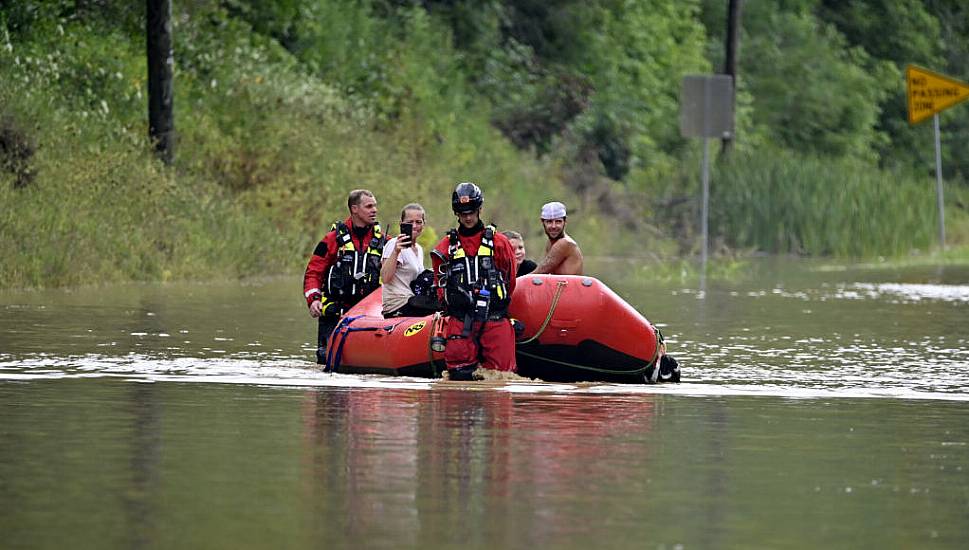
x: 161, y: 121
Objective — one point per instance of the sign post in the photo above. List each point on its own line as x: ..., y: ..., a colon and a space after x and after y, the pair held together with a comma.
x: 706, y: 111
x: 928, y: 94
x: 938, y: 180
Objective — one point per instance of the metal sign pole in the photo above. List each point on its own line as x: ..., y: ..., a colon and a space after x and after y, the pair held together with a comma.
x: 929, y: 93
x: 704, y: 214
x: 706, y: 111
x: 707, y: 131
x: 938, y: 182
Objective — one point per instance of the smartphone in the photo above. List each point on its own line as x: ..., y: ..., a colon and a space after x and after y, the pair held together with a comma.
x: 408, y: 229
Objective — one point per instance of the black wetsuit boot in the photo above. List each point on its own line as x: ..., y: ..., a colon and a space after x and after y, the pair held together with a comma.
x: 324, y: 329
x: 462, y: 374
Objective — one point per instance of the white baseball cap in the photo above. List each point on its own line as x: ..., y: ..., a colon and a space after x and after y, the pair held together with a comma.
x: 553, y: 210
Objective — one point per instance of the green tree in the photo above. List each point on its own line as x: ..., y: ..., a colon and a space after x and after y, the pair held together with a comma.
x: 604, y: 75
x: 899, y: 32
x: 636, y: 62
x: 812, y: 91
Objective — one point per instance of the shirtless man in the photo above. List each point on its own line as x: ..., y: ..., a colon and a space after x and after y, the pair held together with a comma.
x: 562, y: 254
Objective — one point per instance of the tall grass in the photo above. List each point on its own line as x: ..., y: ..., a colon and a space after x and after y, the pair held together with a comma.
x: 107, y: 211
x: 266, y: 154
x: 779, y: 202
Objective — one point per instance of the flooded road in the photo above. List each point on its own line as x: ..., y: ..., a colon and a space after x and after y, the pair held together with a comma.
x: 820, y: 406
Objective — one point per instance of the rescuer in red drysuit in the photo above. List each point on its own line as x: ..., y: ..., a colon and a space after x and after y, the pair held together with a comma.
x: 474, y: 268
x: 344, y: 267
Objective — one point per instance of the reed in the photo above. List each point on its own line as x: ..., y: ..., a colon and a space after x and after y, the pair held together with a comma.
x: 784, y: 203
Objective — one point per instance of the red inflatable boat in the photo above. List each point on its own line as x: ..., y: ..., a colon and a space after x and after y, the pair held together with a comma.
x: 575, y: 329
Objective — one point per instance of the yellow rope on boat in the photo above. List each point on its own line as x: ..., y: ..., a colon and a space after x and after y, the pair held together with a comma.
x: 551, y: 312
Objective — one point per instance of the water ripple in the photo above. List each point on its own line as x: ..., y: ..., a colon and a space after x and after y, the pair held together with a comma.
x: 711, y: 370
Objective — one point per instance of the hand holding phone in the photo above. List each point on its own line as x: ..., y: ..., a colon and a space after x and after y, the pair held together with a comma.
x: 407, y: 229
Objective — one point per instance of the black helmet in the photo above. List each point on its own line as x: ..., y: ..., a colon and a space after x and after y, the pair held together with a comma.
x: 467, y: 197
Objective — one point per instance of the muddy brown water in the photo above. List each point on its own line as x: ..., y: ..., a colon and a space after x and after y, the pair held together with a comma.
x: 820, y: 407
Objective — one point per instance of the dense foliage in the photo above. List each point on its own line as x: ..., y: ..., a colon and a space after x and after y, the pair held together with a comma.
x: 283, y: 106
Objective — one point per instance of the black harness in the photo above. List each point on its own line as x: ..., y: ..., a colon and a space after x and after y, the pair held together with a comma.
x: 356, y: 273
x: 474, y: 287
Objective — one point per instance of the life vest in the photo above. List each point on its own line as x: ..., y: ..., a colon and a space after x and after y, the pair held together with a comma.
x: 356, y: 273
x: 467, y: 275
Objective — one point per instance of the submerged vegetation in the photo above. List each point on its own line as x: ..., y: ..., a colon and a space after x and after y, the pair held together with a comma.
x: 283, y: 107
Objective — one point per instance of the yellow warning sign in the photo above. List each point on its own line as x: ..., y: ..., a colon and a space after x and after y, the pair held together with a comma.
x: 415, y: 328
x: 929, y: 93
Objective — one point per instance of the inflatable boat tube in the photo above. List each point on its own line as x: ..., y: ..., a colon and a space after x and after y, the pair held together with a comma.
x: 575, y: 329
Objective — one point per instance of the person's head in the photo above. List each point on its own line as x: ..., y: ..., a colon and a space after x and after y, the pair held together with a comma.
x: 413, y: 214
x: 517, y: 244
x: 363, y: 207
x: 466, y: 201
x: 554, y: 220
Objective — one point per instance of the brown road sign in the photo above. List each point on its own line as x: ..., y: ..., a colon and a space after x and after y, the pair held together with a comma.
x: 929, y: 93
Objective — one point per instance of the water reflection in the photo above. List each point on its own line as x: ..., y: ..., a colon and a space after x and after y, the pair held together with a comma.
x: 409, y: 467
x: 139, y: 501
x: 360, y: 457
x: 100, y: 463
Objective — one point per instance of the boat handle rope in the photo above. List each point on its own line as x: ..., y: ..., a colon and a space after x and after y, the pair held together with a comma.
x: 640, y: 370
x: 332, y: 347
x: 551, y: 312
x: 656, y: 353
x: 344, y: 328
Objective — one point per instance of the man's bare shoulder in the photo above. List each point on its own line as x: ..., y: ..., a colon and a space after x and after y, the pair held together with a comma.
x: 562, y: 257
x: 565, y: 244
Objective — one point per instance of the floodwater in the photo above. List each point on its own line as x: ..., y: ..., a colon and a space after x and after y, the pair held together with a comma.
x: 820, y: 408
